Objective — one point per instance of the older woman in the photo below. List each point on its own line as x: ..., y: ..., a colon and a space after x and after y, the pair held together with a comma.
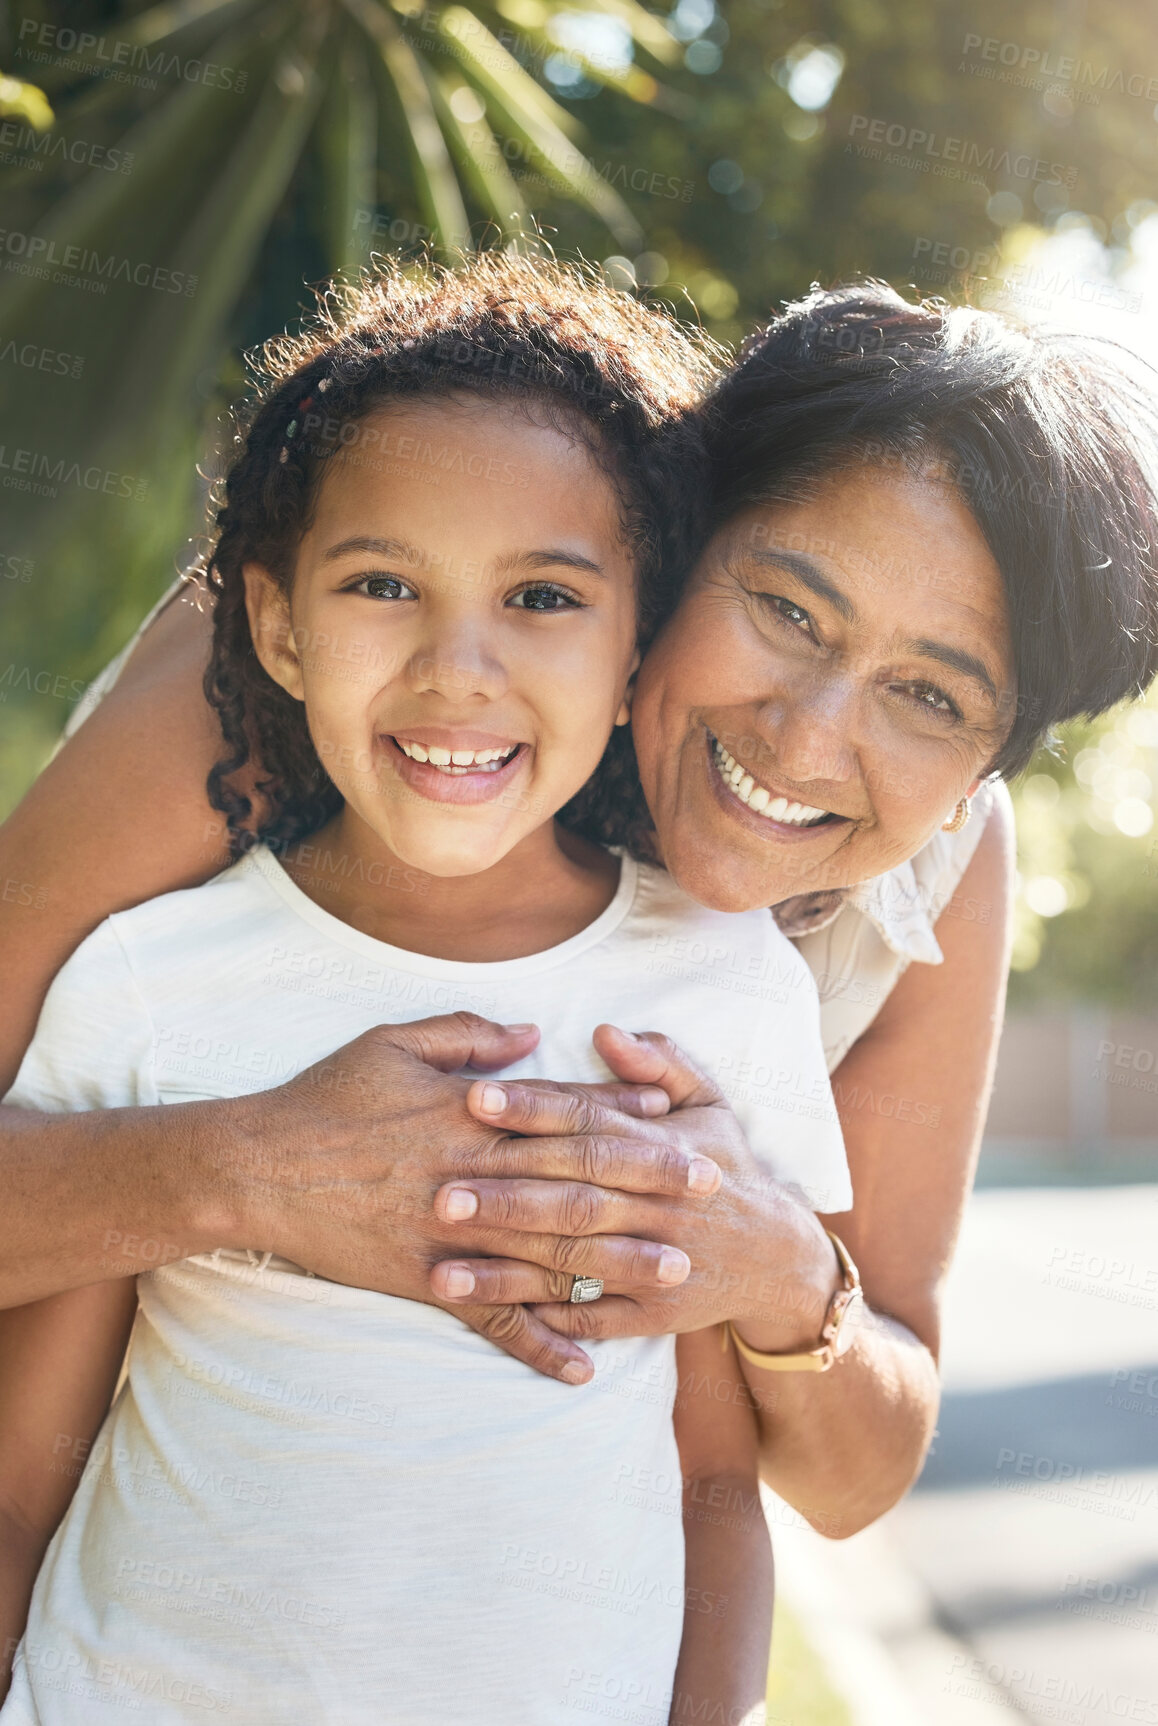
x: 931, y: 543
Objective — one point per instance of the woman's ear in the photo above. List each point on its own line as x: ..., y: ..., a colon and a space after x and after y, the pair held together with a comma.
x: 270, y: 627
x: 623, y: 717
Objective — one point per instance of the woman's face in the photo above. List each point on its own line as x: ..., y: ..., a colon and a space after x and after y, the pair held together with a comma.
x: 838, y: 674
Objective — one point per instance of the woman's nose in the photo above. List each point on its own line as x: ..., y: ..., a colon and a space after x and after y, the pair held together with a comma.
x: 810, y: 729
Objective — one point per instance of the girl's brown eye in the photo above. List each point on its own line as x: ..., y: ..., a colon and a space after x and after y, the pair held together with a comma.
x: 544, y: 596
x: 384, y: 587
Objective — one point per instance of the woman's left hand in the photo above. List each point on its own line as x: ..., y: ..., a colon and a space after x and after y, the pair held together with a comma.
x: 758, y: 1256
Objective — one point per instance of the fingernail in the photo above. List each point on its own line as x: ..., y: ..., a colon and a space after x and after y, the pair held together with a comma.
x: 575, y: 1373
x: 673, y: 1265
x: 492, y: 1099
x: 459, y: 1281
x: 518, y: 1029
x: 653, y: 1102
x: 703, y: 1175
x: 460, y: 1203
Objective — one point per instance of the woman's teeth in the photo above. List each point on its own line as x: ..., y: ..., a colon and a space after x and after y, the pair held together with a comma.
x: 458, y: 760
x: 741, y: 782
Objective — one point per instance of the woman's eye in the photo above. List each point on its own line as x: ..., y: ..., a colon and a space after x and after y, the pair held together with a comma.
x: 384, y: 587
x: 928, y: 695
x: 790, y: 612
x: 544, y: 596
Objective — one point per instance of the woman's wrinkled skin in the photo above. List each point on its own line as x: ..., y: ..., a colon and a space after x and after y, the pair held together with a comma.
x: 852, y: 652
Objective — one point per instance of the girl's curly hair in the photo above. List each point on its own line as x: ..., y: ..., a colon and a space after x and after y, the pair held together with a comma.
x: 623, y: 375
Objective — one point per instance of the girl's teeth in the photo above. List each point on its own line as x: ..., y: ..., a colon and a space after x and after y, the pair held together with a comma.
x: 758, y: 798
x: 456, y: 760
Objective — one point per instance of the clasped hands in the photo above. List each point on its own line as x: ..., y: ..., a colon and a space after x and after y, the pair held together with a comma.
x: 488, y: 1197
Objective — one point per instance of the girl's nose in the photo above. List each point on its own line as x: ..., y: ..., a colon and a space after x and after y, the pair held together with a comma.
x: 459, y: 665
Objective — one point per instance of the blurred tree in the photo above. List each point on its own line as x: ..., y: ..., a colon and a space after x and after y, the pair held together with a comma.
x: 1087, y: 905
x: 210, y: 157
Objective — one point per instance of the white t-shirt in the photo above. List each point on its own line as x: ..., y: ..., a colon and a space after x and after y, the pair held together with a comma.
x: 318, y: 1504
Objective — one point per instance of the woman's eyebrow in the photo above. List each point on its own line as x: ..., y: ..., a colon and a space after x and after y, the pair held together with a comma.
x: 395, y: 548
x: 808, y: 572
x: 957, y: 659
x: 805, y: 570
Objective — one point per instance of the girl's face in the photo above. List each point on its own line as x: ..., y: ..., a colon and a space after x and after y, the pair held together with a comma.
x: 460, y: 627
x: 838, y: 674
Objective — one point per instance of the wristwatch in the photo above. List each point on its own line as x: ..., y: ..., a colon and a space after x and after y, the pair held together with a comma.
x: 836, y: 1334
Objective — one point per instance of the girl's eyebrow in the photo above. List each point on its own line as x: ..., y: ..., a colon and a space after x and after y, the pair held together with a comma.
x: 553, y: 555
x: 396, y: 548
x: 402, y: 551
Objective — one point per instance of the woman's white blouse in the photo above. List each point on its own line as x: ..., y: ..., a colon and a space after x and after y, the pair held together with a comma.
x: 887, y: 924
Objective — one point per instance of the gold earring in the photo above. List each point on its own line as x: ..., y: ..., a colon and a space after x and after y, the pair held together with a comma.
x: 958, y: 818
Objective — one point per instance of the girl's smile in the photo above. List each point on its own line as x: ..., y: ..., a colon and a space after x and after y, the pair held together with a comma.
x: 463, y: 653
x: 456, y: 767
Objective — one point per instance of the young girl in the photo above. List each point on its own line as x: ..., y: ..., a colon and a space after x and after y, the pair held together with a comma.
x: 439, y: 547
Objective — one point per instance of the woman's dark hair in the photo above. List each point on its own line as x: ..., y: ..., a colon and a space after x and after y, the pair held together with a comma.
x: 557, y: 341
x: 1047, y: 439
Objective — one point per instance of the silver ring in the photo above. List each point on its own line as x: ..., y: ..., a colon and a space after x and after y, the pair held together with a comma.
x: 586, y: 1288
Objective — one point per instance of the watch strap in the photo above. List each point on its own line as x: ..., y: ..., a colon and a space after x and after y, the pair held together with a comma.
x: 818, y: 1359
x: 811, y: 1360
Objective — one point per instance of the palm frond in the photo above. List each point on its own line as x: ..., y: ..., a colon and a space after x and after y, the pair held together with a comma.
x: 431, y: 165
x: 500, y: 78
x: 228, y: 226
x: 479, y: 156
x: 348, y: 148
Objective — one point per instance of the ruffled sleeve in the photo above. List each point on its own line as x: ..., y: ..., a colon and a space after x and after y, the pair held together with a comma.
x: 868, y: 941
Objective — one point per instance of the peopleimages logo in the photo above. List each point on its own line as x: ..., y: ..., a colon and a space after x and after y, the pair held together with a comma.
x: 918, y: 146
x: 108, y: 56
x: 18, y: 140
x: 1021, y: 60
x: 39, y: 256
x: 34, y: 471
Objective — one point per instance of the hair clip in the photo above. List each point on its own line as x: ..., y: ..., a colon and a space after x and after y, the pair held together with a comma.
x: 291, y: 429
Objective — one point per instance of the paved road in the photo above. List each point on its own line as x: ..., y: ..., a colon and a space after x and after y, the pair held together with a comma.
x: 1020, y: 1580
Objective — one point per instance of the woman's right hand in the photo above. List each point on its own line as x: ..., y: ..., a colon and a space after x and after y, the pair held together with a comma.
x: 337, y: 1170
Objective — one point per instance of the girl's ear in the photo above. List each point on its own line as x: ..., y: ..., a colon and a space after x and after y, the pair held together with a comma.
x: 624, y: 714
x: 269, y: 625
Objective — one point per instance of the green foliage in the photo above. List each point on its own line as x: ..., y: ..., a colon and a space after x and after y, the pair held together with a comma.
x: 799, y: 1692
x: 1087, y: 908
x: 209, y: 158
x: 217, y: 154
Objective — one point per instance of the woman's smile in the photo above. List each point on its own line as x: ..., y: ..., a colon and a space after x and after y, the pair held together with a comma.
x: 776, y: 807
x: 762, y: 807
